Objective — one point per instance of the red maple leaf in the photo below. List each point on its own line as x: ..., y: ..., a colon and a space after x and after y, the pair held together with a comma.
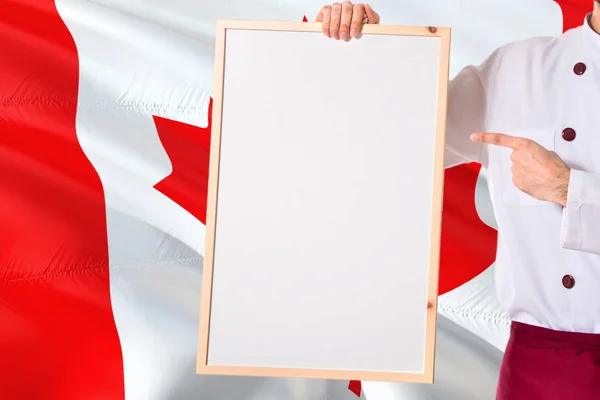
x: 574, y: 12
x: 188, y: 148
x: 355, y: 387
x: 468, y: 246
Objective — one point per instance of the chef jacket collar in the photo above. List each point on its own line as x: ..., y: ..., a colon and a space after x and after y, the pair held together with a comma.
x: 591, y: 36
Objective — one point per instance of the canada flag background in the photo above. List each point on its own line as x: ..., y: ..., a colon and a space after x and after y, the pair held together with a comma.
x: 104, y: 136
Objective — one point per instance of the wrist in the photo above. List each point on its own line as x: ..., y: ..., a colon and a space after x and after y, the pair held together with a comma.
x: 561, y: 190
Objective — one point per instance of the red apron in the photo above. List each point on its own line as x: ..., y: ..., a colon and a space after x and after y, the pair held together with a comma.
x: 542, y: 364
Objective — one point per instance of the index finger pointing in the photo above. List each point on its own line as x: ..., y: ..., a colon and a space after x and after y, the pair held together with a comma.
x: 498, y: 139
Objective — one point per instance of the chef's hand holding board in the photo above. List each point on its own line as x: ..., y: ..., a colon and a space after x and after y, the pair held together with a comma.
x: 345, y: 20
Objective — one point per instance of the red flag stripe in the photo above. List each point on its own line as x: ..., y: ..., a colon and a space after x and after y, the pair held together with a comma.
x: 58, y: 339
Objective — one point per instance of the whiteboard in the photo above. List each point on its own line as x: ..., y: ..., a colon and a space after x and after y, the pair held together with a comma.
x: 324, y: 205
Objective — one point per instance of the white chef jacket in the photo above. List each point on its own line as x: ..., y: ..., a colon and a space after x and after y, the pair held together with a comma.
x: 547, y: 90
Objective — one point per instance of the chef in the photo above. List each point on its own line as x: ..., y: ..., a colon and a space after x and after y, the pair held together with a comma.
x: 530, y: 113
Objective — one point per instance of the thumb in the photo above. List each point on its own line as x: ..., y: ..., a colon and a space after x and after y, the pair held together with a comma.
x: 371, y: 14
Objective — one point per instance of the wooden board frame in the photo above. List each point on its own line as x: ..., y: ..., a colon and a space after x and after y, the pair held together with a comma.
x: 205, y: 312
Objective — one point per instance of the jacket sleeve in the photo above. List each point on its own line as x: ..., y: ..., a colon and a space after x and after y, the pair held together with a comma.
x: 468, y: 111
x: 580, y: 228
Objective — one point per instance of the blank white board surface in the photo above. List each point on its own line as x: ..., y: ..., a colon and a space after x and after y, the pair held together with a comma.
x: 324, y: 205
